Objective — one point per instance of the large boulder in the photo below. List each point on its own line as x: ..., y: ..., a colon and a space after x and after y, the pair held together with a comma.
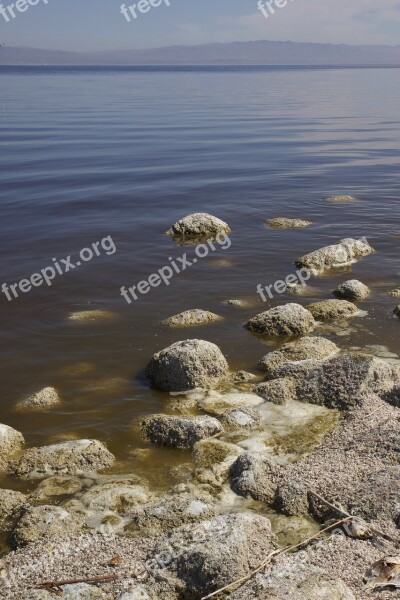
x: 186, y: 365
x: 78, y: 457
x: 11, y: 444
x: 286, y: 320
x: 191, y: 318
x: 198, y: 225
x: 352, y: 290
x: 306, y: 348
x: 222, y: 550
x: 345, y: 252
x: 179, y: 432
x: 44, y: 522
x: 342, y: 381
x: 329, y: 310
x: 253, y: 475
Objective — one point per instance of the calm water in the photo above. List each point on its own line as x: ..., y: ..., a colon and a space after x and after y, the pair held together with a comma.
x: 88, y: 153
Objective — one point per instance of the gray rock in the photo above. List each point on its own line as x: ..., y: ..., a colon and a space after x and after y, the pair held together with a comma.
x: 283, y: 223
x: 278, y: 391
x: 341, y: 381
x: 78, y: 457
x: 11, y: 505
x: 309, y: 347
x: 241, y: 418
x: 223, y: 549
x: 352, y: 290
x: 192, y: 318
x: 45, y: 398
x: 198, y: 225
x: 292, y: 499
x: 343, y: 253
x: 40, y: 522
x: 254, y: 476
x: 293, y: 370
x: 11, y: 444
x: 186, y: 365
x: 179, y: 432
x: 286, y: 320
x: 329, y: 310
x: 186, y: 503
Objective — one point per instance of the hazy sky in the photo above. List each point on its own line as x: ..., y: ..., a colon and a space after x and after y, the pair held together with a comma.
x: 98, y: 24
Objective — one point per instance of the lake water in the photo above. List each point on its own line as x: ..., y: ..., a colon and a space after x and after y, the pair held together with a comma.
x: 87, y: 153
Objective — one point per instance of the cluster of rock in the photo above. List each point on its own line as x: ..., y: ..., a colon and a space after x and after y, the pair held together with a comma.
x: 207, y: 528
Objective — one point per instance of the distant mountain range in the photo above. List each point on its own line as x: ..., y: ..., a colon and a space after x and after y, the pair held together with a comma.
x: 235, y: 53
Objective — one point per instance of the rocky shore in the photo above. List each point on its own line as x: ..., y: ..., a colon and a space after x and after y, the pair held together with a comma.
x: 307, y: 444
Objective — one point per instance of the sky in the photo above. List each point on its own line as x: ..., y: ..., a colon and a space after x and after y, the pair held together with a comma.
x: 99, y: 25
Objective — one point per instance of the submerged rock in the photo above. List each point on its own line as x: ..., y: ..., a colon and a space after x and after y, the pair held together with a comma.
x: 306, y: 348
x: 278, y: 391
x: 219, y: 404
x: 213, y: 459
x: 222, y: 550
x: 44, y: 522
x: 184, y: 504
x: 235, y: 303
x: 342, y: 381
x: 397, y: 311
x: 342, y: 199
x: 241, y: 418
x: 45, y: 398
x: 179, y: 432
x: 91, y: 315
x: 253, y: 475
x: 352, y: 290
x: 191, y: 318
x: 198, y: 225
x: 80, y: 457
x: 186, y: 365
x: 11, y: 444
x: 329, y: 310
x: 394, y: 293
x: 289, y: 319
x: 343, y: 253
x: 243, y: 377
x: 283, y: 223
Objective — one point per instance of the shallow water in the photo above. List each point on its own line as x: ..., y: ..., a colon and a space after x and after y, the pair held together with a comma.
x: 90, y: 153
